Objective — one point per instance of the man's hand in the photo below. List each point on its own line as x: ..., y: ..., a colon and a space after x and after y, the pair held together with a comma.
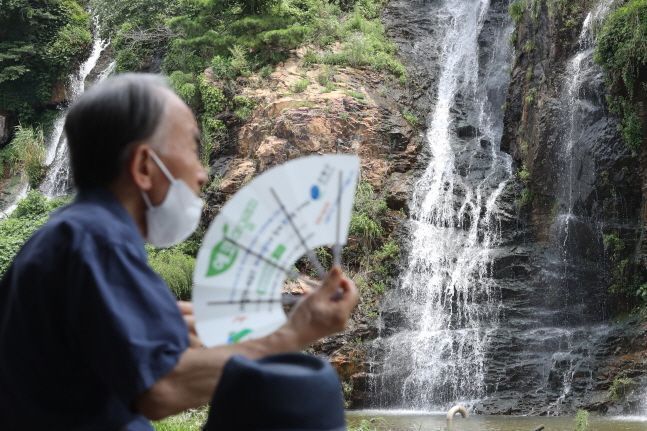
x: 325, y: 311
x: 322, y: 312
x: 186, y: 308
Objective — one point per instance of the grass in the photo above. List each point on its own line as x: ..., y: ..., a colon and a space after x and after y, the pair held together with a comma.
x: 582, y: 420
x: 176, y: 268
x: 25, y: 154
x: 411, y: 118
x: 355, y: 94
x: 300, y: 86
x: 191, y: 420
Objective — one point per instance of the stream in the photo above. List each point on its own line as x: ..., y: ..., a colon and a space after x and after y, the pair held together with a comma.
x: 436, y: 421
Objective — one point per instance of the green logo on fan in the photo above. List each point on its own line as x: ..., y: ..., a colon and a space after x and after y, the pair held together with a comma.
x: 235, y: 337
x: 223, y: 256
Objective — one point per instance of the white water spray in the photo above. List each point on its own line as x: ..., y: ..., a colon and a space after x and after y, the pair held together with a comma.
x: 451, y: 302
x: 56, y: 182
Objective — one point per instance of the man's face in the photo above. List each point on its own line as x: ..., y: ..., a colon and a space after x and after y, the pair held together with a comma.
x: 177, y: 143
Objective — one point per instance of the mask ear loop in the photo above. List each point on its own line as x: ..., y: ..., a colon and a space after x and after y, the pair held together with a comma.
x: 147, y: 200
x: 164, y: 170
x: 162, y: 166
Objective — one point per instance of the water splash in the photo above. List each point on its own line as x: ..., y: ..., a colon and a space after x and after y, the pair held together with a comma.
x: 577, y: 108
x: 574, y: 225
x: 450, y: 303
x: 56, y: 181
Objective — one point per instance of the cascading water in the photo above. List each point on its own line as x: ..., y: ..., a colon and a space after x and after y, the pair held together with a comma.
x: 448, y: 300
x: 576, y: 228
x: 56, y: 181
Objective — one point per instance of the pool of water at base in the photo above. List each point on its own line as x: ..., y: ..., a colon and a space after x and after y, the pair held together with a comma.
x: 391, y: 420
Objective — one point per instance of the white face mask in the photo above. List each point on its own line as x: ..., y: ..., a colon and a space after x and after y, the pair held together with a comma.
x: 177, y: 217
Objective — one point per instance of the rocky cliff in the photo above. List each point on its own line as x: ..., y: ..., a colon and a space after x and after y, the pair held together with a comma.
x: 303, y: 109
x: 582, y: 216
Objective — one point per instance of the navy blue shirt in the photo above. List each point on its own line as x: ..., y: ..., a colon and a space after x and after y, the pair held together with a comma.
x: 85, y: 324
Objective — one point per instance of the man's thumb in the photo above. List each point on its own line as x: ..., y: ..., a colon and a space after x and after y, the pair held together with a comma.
x: 332, y: 281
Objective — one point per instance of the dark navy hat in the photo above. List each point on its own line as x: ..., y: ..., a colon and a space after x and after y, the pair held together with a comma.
x: 284, y: 392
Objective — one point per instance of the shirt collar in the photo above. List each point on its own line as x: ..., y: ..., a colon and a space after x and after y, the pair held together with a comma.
x: 109, y: 201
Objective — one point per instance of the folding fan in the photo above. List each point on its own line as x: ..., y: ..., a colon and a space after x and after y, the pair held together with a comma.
x: 252, y: 245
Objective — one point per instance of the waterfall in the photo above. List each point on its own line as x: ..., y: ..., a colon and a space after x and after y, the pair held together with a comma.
x: 57, y: 180
x: 576, y: 228
x: 577, y: 111
x: 447, y: 298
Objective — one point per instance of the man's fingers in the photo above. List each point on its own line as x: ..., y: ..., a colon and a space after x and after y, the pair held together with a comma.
x: 185, y: 307
x: 331, y: 282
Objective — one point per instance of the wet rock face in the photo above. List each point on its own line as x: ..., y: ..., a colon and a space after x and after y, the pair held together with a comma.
x: 556, y: 349
x: 5, y: 131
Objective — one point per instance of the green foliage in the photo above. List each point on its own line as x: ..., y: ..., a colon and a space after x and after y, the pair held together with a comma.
x: 516, y: 10
x: 25, y: 154
x: 531, y: 96
x: 325, y: 76
x: 364, y: 227
x: 619, y: 388
x: 613, y: 244
x: 622, y: 52
x: 364, y: 43
x: 186, y: 86
x: 41, y: 43
x: 213, y: 99
x: 411, y: 118
x: 625, y: 280
x: 526, y: 198
x: 372, y: 424
x: 528, y: 47
x: 524, y: 174
x: 567, y: 13
x: 243, y: 107
x: 367, y: 212
x: 582, y: 420
x: 355, y: 94
x: 221, y: 68
x: 30, y: 214
x: 214, y: 132
x: 176, y: 268
x: 300, y: 86
x: 191, y: 420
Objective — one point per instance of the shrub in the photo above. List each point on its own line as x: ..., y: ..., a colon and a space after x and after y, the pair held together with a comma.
x: 355, y: 94
x: 365, y: 228
x: 26, y: 154
x: 213, y: 99
x: 582, y: 420
x: 524, y: 174
x: 176, y: 268
x: 191, y: 420
x: 300, y: 86
x: 243, y: 107
x: 325, y: 76
x: 30, y: 213
x: 517, y: 9
x: 526, y: 198
x: 411, y: 118
x: 622, y: 51
x: 185, y: 85
x: 619, y: 387
x: 239, y: 64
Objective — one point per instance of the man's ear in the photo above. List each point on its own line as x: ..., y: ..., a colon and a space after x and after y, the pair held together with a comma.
x: 141, y: 167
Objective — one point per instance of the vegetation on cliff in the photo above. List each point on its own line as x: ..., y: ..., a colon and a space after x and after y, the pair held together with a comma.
x: 31, y: 213
x: 622, y: 52
x: 41, y: 44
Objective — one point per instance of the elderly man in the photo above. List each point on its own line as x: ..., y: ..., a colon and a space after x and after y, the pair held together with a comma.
x: 90, y: 336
